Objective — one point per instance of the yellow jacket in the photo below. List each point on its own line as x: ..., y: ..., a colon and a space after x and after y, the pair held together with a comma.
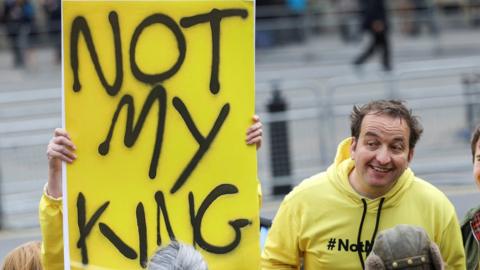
x: 51, y: 223
x: 320, y: 221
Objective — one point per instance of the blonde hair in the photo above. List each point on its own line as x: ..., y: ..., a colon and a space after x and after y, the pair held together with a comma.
x: 24, y: 257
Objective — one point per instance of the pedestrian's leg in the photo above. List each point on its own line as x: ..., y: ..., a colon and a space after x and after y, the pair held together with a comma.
x: 15, y: 43
x: 382, y: 39
x: 56, y: 39
x: 368, y: 51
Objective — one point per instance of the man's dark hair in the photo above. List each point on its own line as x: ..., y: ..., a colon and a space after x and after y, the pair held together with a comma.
x: 392, y: 108
x: 475, y: 137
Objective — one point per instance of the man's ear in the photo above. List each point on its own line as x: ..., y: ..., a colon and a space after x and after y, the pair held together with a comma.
x: 353, y: 147
x: 410, y: 154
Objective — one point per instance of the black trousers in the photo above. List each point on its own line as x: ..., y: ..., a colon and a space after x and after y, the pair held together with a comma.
x: 379, y: 42
x: 17, y: 50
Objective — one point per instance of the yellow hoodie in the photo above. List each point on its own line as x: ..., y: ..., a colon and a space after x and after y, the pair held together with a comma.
x: 50, y: 216
x: 328, y: 225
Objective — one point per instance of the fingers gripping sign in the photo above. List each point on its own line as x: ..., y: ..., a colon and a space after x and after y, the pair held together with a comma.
x: 60, y: 148
x: 255, y: 132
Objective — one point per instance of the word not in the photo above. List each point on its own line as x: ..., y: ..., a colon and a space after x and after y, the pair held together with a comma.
x: 344, y: 245
x: 214, y: 18
x: 196, y: 217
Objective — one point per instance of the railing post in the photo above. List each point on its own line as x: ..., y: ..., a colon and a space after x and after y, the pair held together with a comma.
x: 1, y: 196
x: 468, y: 87
x: 279, y: 146
x: 471, y: 86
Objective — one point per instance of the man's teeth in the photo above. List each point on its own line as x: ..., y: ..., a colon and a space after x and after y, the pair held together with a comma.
x: 380, y: 169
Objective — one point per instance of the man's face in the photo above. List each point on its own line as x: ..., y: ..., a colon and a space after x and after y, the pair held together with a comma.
x: 476, y: 164
x: 381, y: 154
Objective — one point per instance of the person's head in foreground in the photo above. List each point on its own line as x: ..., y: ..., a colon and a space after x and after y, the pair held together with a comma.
x: 24, y: 257
x: 475, y: 145
x: 471, y: 222
x: 177, y: 256
x: 404, y: 247
x: 384, y: 135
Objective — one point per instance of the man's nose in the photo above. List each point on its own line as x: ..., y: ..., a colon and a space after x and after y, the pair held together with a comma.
x: 383, y: 156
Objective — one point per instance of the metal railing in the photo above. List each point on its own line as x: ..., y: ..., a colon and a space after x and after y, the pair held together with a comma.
x: 317, y: 120
x: 436, y: 94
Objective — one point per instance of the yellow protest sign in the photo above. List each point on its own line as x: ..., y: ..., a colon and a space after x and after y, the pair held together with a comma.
x: 157, y: 98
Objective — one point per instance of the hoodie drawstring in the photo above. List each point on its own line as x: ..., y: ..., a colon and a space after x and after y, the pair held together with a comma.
x: 359, y: 235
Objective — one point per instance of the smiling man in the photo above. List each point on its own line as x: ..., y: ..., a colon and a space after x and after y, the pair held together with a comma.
x: 330, y: 220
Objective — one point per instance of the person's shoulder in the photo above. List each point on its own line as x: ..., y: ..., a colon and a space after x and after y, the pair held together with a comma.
x: 433, y: 200
x: 313, y: 185
x: 420, y: 184
x: 428, y: 192
x: 470, y: 214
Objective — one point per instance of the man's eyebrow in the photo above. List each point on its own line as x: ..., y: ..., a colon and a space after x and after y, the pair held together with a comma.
x: 375, y: 135
x: 399, y: 139
x: 371, y: 134
x: 477, y: 156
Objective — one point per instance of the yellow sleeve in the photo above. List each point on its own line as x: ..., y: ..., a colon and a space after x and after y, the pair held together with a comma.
x: 51, y: 225
x: 451, y: 246
x: 259, y: 192
x: 281, y: 250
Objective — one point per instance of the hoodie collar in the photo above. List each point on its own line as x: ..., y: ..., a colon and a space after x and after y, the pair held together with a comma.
x: 469, y: 216
x: 338, y: 173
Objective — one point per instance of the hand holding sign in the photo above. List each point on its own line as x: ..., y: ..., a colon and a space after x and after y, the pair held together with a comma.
x: 61, y: 148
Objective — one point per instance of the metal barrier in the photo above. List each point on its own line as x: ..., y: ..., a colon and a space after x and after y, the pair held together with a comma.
x: 27, y: 119
x: 471, y: 86
x: 24, y: 172
x: 436, y: 94
x: 317, y: 120
x: 319, y: 103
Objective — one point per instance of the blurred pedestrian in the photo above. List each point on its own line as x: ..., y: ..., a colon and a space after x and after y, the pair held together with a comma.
x: 374, y: 21
x: 24, y: 257
x: 404, y: 247
x: 349, y: 25
x: 424, y: 14
x: 19, y: 16
x: 296, y: 13
x: 53, y: 13
x: 471, y: 222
